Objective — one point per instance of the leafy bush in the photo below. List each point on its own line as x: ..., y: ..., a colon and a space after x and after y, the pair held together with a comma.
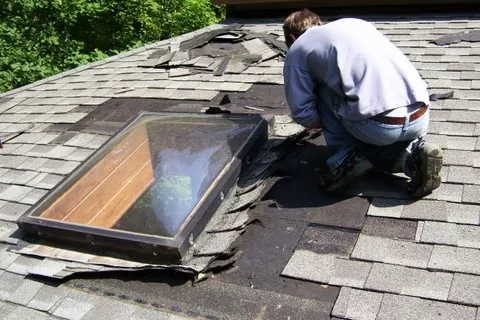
x: 39, y: 38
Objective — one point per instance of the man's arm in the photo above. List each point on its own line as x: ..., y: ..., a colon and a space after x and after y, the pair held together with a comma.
x: 299, y: 90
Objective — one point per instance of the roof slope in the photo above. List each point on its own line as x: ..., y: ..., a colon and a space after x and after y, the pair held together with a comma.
x: 398, y: 260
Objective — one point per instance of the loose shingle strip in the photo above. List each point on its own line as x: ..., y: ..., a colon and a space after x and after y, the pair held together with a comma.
x: 469, y: 36
x: 206, y: 37
x: 222, y: 67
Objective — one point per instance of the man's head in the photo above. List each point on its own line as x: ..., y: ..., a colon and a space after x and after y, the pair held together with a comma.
x: 297, y: 23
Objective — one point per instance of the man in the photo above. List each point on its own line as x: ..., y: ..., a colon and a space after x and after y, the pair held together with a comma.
x: 370, y: 100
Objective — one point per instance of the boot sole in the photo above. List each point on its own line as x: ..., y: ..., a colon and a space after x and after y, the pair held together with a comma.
x: 431, y: 166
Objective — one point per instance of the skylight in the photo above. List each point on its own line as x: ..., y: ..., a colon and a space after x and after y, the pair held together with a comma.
x: 152, y: 187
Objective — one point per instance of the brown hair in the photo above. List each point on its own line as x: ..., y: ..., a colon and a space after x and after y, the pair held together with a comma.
x: 298, y: 22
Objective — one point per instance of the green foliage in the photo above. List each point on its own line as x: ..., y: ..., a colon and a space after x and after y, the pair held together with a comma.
x: 39, y: 38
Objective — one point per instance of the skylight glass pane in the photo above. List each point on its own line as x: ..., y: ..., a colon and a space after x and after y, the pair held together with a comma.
x: 185, y: 163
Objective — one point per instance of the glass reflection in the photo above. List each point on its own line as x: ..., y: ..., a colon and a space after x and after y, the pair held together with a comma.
x: 186, y: 160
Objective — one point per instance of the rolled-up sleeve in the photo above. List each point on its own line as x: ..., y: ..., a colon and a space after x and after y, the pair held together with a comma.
x: 299, y: 91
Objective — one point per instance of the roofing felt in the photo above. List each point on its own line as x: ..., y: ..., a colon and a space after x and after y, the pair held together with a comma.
x: 379, y: 256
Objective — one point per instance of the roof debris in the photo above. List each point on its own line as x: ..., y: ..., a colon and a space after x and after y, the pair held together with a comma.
x: 221, y: 51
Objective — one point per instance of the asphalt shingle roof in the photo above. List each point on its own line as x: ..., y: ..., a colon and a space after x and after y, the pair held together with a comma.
x: 405, y: 260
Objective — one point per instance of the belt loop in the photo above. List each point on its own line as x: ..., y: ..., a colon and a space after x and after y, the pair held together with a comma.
x: 406, y: 122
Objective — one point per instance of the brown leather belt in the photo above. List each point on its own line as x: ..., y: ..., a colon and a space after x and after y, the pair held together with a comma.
x: 400, y: 120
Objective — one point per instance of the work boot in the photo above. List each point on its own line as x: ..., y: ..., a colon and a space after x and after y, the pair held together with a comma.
x: 354, y: 165
x: 423, y: 166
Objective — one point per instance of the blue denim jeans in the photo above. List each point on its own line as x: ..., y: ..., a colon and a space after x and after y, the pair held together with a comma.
x: 386, y: 146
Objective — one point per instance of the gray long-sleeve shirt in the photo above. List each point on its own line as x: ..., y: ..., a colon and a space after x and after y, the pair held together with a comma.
x: 354, y: 61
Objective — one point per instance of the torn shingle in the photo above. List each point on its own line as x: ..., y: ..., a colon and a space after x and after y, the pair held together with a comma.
x: 469, y: 36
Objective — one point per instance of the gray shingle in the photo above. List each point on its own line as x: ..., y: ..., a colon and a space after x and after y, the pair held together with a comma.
x: 80, y: 140
x: 471, y: 194
x: 22, y: 149
x: 60, y: 152
x: 450, y: 58
x: 46, y: 297
x: 40, y: 151
x: 19, y: 312
x: 6, y: 257
x: 67, y: 117
x: 36, y: 109
x: 465, y: 289
x: 470, y: 75
x: 447, y: 192
x: 439, y: 83
x: 461, y: 84
x: 33, y: 196
x: 10, y: 283
x: 463, y: 213
x: 32, y: 163
x: 451, y: 128
x: 392, y: 251
x: 462, y: 66
x: 25, y: 292
x: 395, y: 307
x: 465, y: 116
x: 455, y: 259
x: 11, y: 211
x: 434, y: 74
x: 15, y: 193
x: 467, y: 95
x: 48, y: 267
x: 460, y: 174
x: 476, y: 160
x: 29, y: 137
x: 23, y: 264
x: 6, y: 231
x: 326, y: 268
x: 110, y: 309
x: 96, y: 142
x: 17, y: 176
x: 158, y: 93
x: 357, y: 304
x: 49, y: 181
x: 193, y: 94
x: 38, y: 178
x: 451, y: 234
x: 432, y: 210
x: 79, y: 155
x: 58, y: 166
x: 461, y: 143
x: 409, y: 281
x: 11, y: 161
x: 9, y: 148
x: 11, y: 117
x: 8, y: 104
x: 75, y: 307
x: 458, y: 157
